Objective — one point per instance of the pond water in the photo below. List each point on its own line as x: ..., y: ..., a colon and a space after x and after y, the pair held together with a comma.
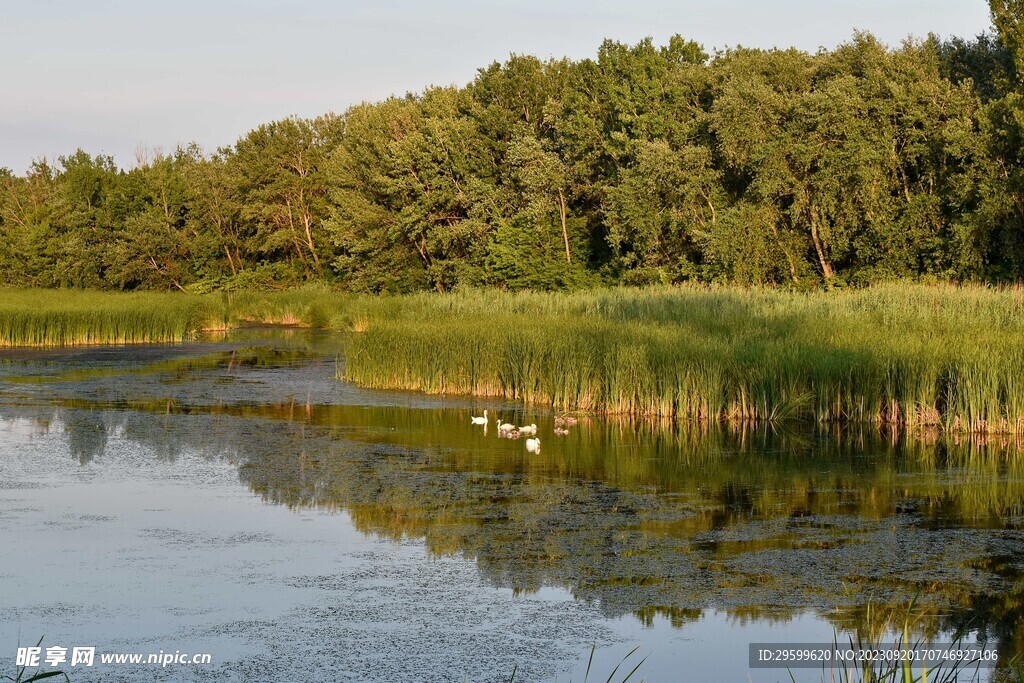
x: 234, y: 498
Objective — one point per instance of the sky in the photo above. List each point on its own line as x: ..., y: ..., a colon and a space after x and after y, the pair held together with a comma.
x: 116, y: 76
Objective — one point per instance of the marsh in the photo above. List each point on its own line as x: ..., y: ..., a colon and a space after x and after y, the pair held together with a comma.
x: 233, y: 497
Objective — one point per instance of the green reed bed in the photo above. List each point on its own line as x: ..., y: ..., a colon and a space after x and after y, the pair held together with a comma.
x: 52, y: 318
x: 311, y: 306
x: 63, y: 317
x: 902, y: 354
x: 924, y: 357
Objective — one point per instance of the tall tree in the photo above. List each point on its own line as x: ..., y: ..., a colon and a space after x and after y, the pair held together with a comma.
x: 26, y: 205
x: 412, y: 179
x: 283, y: 187
x: 153, y: 250
x: 1008, y: 20
x: 214, y: 220
x: 85, y: 218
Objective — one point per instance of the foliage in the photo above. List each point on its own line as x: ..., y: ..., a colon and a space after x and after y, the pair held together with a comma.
x: 22, y: 675
x: 645, y: 164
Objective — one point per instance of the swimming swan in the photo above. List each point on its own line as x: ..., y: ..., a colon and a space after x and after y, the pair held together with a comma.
x: 530, y: 430
x: 533, y: 445
x: 479, y: 420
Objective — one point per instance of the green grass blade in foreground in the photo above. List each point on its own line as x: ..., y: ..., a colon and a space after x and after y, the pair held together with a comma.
x: 19, y: 676
x: 628, y: 655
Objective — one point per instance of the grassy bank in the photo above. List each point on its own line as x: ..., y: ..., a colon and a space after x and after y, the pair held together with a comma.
x: 936, y: 357
x: 49, y: 317
x: 53, y: 318
x: 925, y: 357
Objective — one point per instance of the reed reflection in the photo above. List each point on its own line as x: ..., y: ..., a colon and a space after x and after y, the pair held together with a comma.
x: 641, y: 519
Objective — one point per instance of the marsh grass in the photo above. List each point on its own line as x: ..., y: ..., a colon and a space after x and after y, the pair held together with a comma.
x: 907, y: 357
x: 913, y: 356
x: 21, y: 674
x: 623, y: 664
x: 54, y: 318
x: 65, y: 318
x: 873, y: 637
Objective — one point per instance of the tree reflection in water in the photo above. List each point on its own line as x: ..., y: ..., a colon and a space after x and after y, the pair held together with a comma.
x: 764, y: 524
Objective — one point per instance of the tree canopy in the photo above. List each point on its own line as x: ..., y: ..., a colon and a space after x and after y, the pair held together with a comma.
x: 643, y: 164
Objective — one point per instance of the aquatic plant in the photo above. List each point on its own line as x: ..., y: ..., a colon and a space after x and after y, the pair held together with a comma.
x: 53, y: 318
x: 21, y: 673
x: 902, y: 354
x: 897, y: 670
x: 590, y: 663
x: 63, y: 318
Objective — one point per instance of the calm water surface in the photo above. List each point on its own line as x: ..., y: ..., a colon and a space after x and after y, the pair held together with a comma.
x: 234, y: 498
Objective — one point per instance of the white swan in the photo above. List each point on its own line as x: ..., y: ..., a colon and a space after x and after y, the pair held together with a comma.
x: 533, y: 445
x: 507, y: 427
x: 479, y: 420
x: 529, y: 430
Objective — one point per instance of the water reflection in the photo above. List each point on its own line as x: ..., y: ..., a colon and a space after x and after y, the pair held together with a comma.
x: 653, y: 520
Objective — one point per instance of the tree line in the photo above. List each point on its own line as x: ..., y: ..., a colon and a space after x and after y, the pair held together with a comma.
x: 645, y: 164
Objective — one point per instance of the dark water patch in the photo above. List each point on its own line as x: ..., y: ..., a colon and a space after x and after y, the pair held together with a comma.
x: 95, y: 518
x: 9, y: 485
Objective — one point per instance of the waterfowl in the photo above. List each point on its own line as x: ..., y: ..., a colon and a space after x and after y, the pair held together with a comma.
x: 530, y: 430
x: 507, y: 427
x: 533, y: 445
x: 570, y: 421
x: 561, y: 432
x: 559, y: 422
x: 479, y: 420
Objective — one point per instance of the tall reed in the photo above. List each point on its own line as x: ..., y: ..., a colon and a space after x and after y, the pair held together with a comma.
x: 903, y: 354
x: 909, y: 355
x: 63, y: 318
x: 51, y: 318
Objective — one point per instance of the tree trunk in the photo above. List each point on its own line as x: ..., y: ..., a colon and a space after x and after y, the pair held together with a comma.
x: 307, y: 222
x: 565, y: 230
x: 819, y: 246
x: 231, y: 261
x: 296, y: 241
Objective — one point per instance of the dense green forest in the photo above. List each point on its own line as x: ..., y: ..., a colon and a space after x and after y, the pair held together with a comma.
x: 646, y: 164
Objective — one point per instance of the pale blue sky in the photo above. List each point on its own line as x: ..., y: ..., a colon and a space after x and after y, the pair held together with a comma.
x: 111, y: 75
